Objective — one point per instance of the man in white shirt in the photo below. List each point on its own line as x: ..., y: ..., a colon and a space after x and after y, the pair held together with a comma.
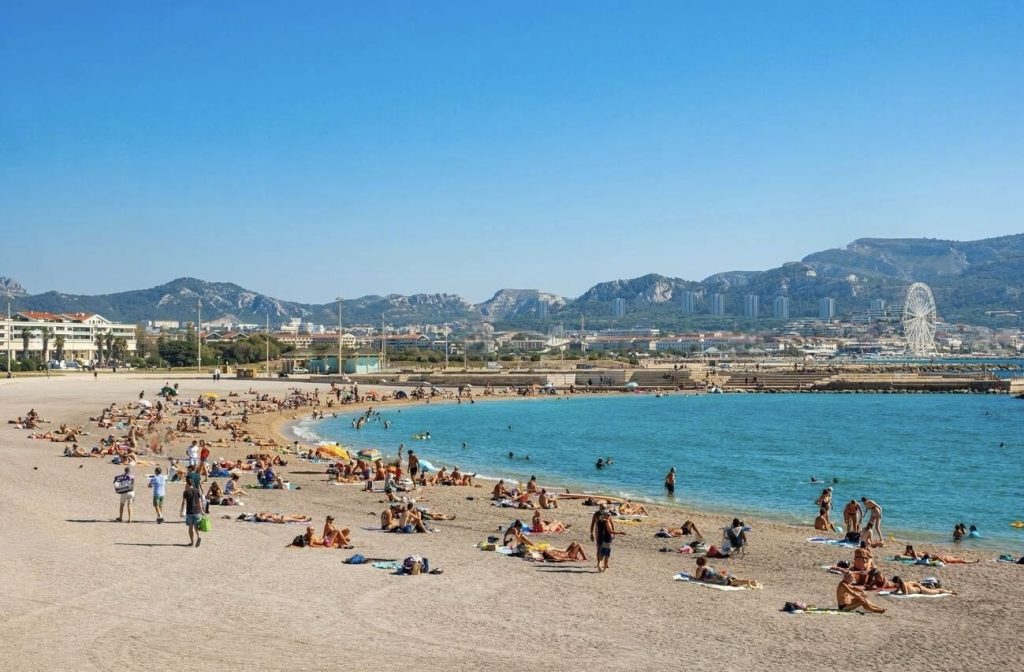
x: 193, y: 454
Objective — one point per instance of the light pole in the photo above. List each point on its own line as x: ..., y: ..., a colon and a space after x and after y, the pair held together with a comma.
x: 7, y: 333
x: 199, y: 338
x: 268, y: 345
x: 341, y: 366
x: 445, y: 346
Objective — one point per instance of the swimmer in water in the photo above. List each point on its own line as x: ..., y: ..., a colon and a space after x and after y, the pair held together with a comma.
x: 600, y: 463
x: 511, y: 455
x: 465, y: 445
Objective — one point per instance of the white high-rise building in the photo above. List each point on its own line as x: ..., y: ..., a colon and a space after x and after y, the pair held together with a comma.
x: 688, y: 301
x: 751, y: 305
x: 618, y: 307
x: 826, y: 308
x: 780, y: 309
x: 718, y: 304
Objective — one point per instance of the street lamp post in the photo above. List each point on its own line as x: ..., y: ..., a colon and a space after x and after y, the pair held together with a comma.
x: 7, y: 333
x: 341, y: 366
x: 445, y: 346
x: 268, y: 345
x: 199, y: 338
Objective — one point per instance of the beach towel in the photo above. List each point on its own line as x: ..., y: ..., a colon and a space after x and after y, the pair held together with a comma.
x: 390, y: 564
x: 825, y: 611
x: 888, y: 593
x: 683, y: 576
x: 911, y: 561
x: 833, y: 542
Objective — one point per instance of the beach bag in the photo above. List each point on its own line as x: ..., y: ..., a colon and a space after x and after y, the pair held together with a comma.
x: 299, y: 541
x: 852, y: 537
x: 204, y: 524
x: 123, y: 484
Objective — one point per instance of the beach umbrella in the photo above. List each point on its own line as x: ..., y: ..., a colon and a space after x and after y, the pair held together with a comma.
x: 211, y: 395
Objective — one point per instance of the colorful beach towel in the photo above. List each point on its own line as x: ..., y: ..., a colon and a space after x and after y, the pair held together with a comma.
x: 683, y: 576
x: 824, y: 611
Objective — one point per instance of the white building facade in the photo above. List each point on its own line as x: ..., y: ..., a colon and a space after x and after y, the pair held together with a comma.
x: 75, y: 333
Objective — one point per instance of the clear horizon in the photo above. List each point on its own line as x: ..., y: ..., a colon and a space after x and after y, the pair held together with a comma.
x: 463, y: 149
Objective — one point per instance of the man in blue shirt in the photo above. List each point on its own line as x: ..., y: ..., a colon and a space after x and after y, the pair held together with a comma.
x: 158, y: 482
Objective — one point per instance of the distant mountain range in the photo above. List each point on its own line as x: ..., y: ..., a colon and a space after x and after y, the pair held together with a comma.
x: 976, y: 282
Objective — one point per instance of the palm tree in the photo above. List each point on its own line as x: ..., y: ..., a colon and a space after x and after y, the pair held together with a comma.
x: 120, y: 348
x: 99, y: 348
x: 109, y: 338
x: 59, y: 346
x: 47, y: 333
x: 26, y: 334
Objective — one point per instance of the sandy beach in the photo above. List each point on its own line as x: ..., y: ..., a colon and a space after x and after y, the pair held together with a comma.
x: 83, y: 592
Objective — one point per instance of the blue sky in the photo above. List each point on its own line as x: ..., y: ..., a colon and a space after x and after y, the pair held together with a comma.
x: 462, y: 147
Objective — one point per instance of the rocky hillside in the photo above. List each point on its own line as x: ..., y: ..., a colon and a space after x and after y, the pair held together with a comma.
x: 969, y: 279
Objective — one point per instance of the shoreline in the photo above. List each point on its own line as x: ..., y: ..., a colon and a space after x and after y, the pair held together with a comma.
x: 284, y: 429
x: 69, y: 563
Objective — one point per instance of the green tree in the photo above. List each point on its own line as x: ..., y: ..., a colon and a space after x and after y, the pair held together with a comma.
x: 26, y: 334
x: 100, y: 341
x: 47, y: 333
x: 108, y: 340
x: 58, y: 344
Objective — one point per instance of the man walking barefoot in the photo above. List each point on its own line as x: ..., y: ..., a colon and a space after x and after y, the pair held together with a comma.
x: 192, y: 510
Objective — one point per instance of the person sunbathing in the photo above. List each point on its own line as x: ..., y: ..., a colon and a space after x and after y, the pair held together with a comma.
x: 499, y: 491
x: 915, y: 588
x: 311, y: 538
x: 333, y: 536
x: 388, y: 520
x: 687, y: 528
x: 538, y: 525
x: 514, y: 536
x: 863, y: 560
x: 427, y: 514
x: 75, y: 451
x: 709, y: 574
x: 572, y: 553
x: 410, y: 521
x: 268, y: 517
x: 926, y: 558
x: 628, y: 508
x: 459, y: 478
x: 875, y: 580
x: 546, y: 501
x: 849, y: 597
x: 822, y: 522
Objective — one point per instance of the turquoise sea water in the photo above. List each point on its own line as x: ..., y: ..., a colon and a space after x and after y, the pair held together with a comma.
x: 929, y: 460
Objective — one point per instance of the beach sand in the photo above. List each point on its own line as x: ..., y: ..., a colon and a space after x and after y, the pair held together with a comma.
x: 82, y: 592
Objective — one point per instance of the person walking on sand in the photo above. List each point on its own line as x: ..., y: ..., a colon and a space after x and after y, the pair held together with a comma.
x: 192, y: 510
x: 602, y: 531
x: 670, y: 481
x: 158, y: 481
x: 414, y: 467
x: 124, y: 485
x: 874, y: 511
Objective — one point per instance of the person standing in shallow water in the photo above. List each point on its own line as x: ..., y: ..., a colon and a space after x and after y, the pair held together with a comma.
x: 670, y: 481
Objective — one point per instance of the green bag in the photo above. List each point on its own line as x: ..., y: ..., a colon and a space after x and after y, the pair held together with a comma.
x: 204, y: 524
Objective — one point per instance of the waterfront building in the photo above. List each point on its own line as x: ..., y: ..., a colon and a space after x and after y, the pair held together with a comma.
x: 66, y: 336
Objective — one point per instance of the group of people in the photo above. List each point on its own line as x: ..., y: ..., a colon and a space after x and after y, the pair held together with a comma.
x: 867, y: 510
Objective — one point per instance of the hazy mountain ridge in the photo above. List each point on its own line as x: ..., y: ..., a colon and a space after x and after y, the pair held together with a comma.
x: 968, y: 279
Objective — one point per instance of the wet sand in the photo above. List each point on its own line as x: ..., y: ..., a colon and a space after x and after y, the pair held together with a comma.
x: 82, y: 592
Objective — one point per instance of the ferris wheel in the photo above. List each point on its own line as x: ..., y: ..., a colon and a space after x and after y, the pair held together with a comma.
x: 919, y: 319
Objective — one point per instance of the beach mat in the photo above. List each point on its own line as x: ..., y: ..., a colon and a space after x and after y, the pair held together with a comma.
x: 832, y: 542
x: 887, y: 593
x: 687, y: 579
x: 824, y: 611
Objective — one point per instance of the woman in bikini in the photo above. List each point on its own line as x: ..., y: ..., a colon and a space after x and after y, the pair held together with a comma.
x: 573, y: 553
x: 707, y: 574
x: 539, y: 525
x: 333, y: 536
x: 915, y: 588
